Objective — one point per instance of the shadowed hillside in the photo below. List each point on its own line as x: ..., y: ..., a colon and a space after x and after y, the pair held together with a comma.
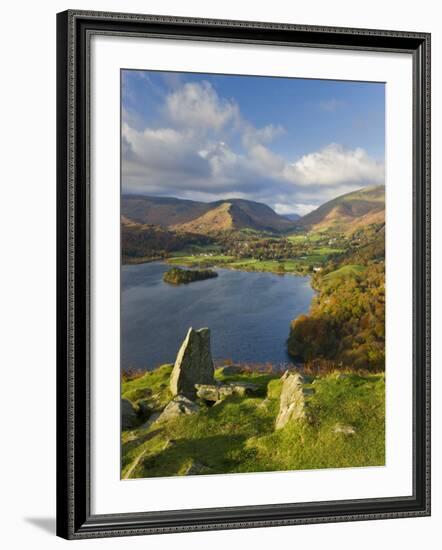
x: 212, y: 216
x: 142, y: 242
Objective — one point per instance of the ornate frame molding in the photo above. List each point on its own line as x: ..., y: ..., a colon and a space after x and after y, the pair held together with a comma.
x: 74, y: 30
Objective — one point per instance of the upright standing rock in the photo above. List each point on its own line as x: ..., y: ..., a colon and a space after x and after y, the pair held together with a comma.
x: 292, y: 401
x: 193, y: 364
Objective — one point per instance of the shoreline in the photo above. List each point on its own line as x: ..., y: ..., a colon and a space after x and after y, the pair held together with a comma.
x: 140, y: 261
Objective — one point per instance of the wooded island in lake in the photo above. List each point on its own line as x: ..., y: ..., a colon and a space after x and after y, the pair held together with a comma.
x: 178, y: 276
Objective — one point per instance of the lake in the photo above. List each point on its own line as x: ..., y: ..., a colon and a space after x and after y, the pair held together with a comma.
x: 248, y: 313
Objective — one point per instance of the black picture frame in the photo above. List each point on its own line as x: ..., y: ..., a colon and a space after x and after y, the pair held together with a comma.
x: 74, y: 518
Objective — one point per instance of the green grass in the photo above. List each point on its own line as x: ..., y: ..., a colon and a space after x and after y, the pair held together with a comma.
x: 306, y: 237
x: 251, y: 264
x: 180, y: 254
x: 195, y: 261
x: 152, y: 387
x: 352, y: 401
x: 258, y: 378
x: 297, y: 238
x: 352, y: 269
x: 311, y: 259
x: 294, y: 265
x: 273, y: 266
x: 238, y: 434
x: 245, y: 264
x: 305, y: 260
x: 328, y: 250
x: 196, y: 249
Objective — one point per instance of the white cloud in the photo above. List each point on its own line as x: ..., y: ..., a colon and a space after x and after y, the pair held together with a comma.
x: 198, y: 106
x: 295, y: 208
x: 266, y: 161
x: 159, y: 157
x: 334, y: 165
x: 252, y: 136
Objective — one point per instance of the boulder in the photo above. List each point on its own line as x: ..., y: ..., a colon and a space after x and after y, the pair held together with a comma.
x: 196, y: 468
x: 145, y: 408
x: 208, y: 392
x: 193, y: 365
x: 218, y: 392
x: 178, y: 406
x: 129, y: 417
x: 242, y: 389
x: 292, y: 400
x: 342, y: 429
x: 152, y: 418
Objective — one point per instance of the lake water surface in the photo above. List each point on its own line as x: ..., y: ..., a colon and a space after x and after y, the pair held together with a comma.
x: 248, y: 313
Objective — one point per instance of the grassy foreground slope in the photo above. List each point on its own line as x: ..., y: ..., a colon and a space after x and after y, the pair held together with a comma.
x: 344, y: 428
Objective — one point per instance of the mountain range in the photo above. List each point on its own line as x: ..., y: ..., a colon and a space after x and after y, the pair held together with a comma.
x: 202, y: 216
x: 344, y: 213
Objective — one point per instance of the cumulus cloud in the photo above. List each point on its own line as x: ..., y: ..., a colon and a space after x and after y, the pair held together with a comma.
x: 203, y: 148
x: 252, y: 136
x: 162, y: 156
x: 334, y: 165
x: 198, y: 106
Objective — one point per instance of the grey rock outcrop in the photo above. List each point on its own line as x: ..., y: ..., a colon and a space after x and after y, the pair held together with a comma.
x: 343, y: 429
x: 196, y: 468
x: 218, y: 392
x: 144, y: 408
x: 193, y: 364
x: 292, y: 400
x: 179, y: 405
x: 129, y: 417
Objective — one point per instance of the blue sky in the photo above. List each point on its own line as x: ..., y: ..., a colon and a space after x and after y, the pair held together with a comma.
x: 292, y: 143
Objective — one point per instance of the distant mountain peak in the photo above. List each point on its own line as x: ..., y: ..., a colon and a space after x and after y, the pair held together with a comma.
x: 348, y: 212
x: 225, y: 217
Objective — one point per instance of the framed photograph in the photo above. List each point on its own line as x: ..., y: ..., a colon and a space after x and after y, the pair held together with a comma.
x: 243, y: 274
